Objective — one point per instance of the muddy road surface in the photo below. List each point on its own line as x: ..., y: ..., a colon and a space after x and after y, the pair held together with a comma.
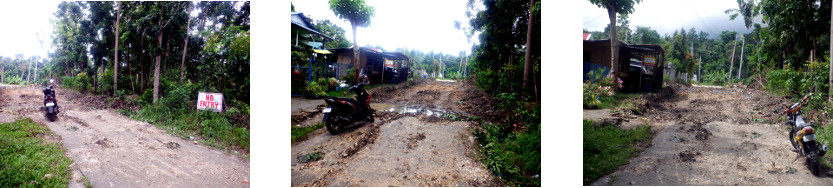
x: 112, y: 150
x: 711, y: 136
x: 411, y: 143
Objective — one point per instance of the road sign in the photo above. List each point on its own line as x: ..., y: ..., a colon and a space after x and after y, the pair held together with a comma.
x: 210, y: 101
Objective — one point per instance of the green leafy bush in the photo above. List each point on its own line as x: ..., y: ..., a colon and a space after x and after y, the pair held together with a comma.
x: 795, y: 82
x: 147, y: 96
x: 486, y: 80
x: 513, y: 157
x: 717, y: 77
x: 105, y: 81
x: 14, y: 80
x: 315, y: 89
x: 350, y: 77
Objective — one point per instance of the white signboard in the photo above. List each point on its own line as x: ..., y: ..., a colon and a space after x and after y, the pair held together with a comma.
x: 210, y: 101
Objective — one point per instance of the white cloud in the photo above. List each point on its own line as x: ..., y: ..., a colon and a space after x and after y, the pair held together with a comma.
x: 25, y: 22
x: 422, y: 25
x: 667, y: 16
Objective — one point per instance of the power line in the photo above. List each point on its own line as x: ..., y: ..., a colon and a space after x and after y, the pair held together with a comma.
x: 594, y: 19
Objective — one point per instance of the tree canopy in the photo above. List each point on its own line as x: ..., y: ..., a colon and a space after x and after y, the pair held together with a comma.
x: 216, y: 59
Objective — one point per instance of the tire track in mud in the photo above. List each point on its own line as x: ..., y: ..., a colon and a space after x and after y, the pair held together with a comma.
x: 706, y: 138
x: 110, y: 150
x: 399, y: 149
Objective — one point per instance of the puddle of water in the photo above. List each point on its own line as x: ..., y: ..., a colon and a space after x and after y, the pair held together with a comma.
x: 409, y: 109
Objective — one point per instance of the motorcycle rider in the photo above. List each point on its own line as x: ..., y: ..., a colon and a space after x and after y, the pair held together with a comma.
x: 49, y: 91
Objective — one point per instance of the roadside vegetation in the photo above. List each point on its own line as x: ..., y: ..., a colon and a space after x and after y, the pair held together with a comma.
x: 606, y: 147
x: 598, y: 92
x: 775, y: 57
x: 514, y: 157
x: 27, y: 160
x: 795, y: 83
x: 152, y: 59
x: 506, y: 64
x: 176, y: 114
x: 299, y: 133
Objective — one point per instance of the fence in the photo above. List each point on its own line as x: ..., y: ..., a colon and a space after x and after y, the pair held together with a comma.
x: 675, y: 76
x: 591, y: 68
x: 301, y: 76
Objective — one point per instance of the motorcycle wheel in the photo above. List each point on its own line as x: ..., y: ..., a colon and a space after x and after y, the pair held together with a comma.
x: 813, y: 161
x: 50, y: 113
x: 370, y: 118
x: 792, y: 140
x: 332, y: 126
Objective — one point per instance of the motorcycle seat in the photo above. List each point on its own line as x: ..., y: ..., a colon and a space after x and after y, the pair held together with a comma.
x: 803, y: 124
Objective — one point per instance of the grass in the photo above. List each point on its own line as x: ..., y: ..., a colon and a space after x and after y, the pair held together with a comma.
x: 87, y: 183
x: 616, y: 100
x: 825, y: 136
x: 217, y: 129
x: 26, y: 160
x: 513, y: 157
x: 301, y: 132
x: 339, y: 93
x: 607, y: 147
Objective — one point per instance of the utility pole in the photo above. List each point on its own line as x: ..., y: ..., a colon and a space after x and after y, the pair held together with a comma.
x: 732, y: 61
x: 743, y: 44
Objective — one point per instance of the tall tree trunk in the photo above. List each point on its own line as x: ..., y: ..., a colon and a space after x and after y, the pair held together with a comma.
x: 156, y: 70
x: 26, y: 71
x: 129, y: 69
x: 142, y: 64
x: 528, y: 46
x: 66, y: 69
x: 116, y: 51
x: 732, y: 62
x: 167, y: 53
x: 355, y: 50
x: 614, y: 42
x: 36, y: 71
x: 460, y: 69
x: 184, y: 49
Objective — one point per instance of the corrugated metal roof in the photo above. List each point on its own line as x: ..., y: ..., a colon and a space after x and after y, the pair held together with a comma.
x: 298, y: 19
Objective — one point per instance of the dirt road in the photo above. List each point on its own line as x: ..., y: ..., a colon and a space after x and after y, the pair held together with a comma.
x: 409, y: 144
x: 712, y: 136
x: 115, y: 151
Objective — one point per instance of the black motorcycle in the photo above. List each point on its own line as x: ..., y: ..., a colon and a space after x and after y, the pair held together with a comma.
x: 49, y: 103
x: 803, y: 137
x: 342, y: 112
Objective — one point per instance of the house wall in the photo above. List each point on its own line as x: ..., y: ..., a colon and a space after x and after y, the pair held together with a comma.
x: 597, y: 53
x: 346, y: 57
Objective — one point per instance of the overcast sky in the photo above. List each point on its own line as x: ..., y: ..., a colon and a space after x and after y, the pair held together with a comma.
x: 421, y: 25
x: 666, y: 16
x: 21, y: 21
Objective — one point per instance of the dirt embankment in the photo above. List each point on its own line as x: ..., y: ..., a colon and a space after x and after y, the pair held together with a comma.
x: 111, y: 150
x: 409, y: 144
x: 711, y: 136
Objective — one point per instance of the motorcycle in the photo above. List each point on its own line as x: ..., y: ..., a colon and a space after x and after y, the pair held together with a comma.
x: 803, y: 137
x: 342, y: 112
x: 49, y: 102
